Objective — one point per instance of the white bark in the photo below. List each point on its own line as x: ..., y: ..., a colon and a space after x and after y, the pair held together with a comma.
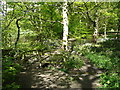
x: 65, y: 26
x: 4, y: 7
x: 96, y: 27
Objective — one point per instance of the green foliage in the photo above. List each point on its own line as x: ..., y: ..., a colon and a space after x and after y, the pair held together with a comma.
x: 100, y: 60
x: 67, y: 61
x: 10, y: 70
x: 73, y: 61
x: 105, y: 56
x: 82, y: 50
x: 41, y: 29
x: 12, y: 86
x: 110, y: 80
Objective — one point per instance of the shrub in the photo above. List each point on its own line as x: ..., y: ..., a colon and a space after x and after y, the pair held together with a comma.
x: 110, y: 80
x: 73, y: 61
x: 100, y: 61
x: 10, y: 70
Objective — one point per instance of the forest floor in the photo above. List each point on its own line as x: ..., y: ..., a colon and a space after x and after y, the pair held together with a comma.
x: 88, y: 76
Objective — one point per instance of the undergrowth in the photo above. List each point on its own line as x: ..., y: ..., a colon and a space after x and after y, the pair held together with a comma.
x: 105, y: 56
x: 10, y: 70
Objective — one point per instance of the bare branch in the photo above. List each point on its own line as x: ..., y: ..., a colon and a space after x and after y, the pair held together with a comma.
x: 18, y: 35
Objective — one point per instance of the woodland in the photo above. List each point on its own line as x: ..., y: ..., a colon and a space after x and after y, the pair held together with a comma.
x: 51, y: 45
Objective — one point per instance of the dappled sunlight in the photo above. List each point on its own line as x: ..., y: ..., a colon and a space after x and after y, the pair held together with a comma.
x: 85, y: 77
x: 51, y: 45
x: 88, y: 76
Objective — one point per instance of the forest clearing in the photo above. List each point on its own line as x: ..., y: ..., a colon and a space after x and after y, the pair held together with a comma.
x: 56, y: 45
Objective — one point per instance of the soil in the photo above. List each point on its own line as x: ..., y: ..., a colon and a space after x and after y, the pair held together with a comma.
x: 88, y: 76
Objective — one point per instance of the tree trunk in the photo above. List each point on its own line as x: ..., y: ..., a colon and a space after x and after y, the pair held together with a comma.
x: 95, y: 35
x: 18, y: 35
x: 4, y: 7
x: 65, y: 26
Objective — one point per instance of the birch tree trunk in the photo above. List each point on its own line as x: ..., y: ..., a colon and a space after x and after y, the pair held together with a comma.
x: 96, y: 28
x: 4, y: 7
x: 95, y: 35
x: 65, y: 26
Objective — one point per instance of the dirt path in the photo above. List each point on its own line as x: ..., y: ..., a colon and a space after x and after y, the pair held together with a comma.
x: 88, y: 76
x: 85, y: 77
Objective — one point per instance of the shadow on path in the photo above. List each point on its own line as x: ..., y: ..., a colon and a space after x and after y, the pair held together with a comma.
x: 88, y: 76
x: 85, y: 77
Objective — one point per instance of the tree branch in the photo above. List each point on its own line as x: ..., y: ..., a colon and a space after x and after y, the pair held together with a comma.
x: 18, y: 35
x: 11, y: 19
x: 90, y: 19
x: 9, y: 23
